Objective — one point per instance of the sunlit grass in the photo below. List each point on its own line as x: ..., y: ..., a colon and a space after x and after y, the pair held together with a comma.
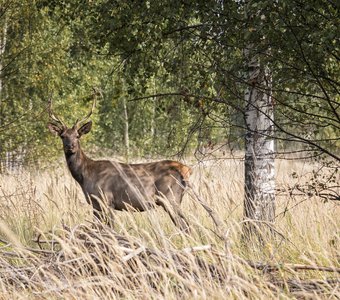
x: 50, y: 206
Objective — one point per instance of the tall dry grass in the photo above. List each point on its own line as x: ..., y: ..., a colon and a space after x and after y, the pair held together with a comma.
x: 52, y: 249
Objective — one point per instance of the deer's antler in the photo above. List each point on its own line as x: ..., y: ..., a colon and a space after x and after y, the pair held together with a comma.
x: 53, y: 116
x: 94, y: 95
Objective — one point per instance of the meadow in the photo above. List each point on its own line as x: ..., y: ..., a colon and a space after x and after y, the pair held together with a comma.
x: 50, y: 247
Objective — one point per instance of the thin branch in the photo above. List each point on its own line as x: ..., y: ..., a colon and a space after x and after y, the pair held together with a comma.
x: 214, y: 216
x: 294, y: 267
x: 223, y: 101
x: 188, y: 27
x: 312, y: 71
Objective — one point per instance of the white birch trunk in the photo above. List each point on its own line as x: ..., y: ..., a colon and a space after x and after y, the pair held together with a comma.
x: 126, y: 131
x: 3, y: 40
x: 153, y: 112
x: 259, y: 203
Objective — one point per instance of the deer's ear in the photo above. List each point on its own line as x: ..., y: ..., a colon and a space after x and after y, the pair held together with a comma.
x: 85, y: 128
x: 54, y: 129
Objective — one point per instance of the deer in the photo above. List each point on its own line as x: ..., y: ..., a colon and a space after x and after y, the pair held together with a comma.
x: 121, y: 186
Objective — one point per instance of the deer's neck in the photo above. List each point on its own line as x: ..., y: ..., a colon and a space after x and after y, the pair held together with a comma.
x: 77, y: 163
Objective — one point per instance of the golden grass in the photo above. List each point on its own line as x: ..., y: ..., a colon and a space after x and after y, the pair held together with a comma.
x: 146, y: 257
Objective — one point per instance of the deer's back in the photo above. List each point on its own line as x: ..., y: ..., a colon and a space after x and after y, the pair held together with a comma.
x: 134, y: 183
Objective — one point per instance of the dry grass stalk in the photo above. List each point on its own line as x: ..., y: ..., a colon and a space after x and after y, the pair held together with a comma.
x: 49, y: 250
x: 92, y: 253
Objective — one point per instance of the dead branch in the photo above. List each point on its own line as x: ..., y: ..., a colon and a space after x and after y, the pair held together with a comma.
x: 222, y: 233
x: 294, y: 267
x: 92, y: 251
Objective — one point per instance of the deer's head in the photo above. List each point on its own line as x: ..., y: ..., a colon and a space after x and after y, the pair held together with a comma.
x: 69, y: 136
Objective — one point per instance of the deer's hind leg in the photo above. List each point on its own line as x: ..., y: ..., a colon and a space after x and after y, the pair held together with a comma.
x: 169, y: 196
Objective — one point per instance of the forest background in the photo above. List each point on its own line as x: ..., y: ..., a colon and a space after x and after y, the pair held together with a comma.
x: 171, y: 75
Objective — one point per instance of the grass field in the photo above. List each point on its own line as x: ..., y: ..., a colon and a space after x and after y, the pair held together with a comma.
x: 51, y: 249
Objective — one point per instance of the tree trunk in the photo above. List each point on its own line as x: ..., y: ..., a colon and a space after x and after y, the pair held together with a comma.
x: 259, y: 202
x: 126, y: 131
x: 3, y: 40
x: 153, y: 110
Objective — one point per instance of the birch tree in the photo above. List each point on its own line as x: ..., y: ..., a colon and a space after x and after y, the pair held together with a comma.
x: 126, y: 130
x: 259, y: 202
x: 3, y: 36
x: 259, y: 166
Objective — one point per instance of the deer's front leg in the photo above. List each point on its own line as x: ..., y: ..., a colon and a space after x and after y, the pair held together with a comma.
x: 101, y: 210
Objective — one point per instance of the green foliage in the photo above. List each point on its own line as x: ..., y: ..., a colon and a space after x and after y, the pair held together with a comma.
x: 187, y: 56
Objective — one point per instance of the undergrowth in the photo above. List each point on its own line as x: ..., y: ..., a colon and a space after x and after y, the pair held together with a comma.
x: 51, y: 248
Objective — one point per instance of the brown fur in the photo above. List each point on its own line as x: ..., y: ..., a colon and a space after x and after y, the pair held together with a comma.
x: 139, y: 186
x: 184, y: 170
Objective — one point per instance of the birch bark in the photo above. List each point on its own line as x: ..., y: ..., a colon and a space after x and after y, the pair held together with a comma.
x: 259, y: 202
x: 3, y: 41
x: 126, y: 131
